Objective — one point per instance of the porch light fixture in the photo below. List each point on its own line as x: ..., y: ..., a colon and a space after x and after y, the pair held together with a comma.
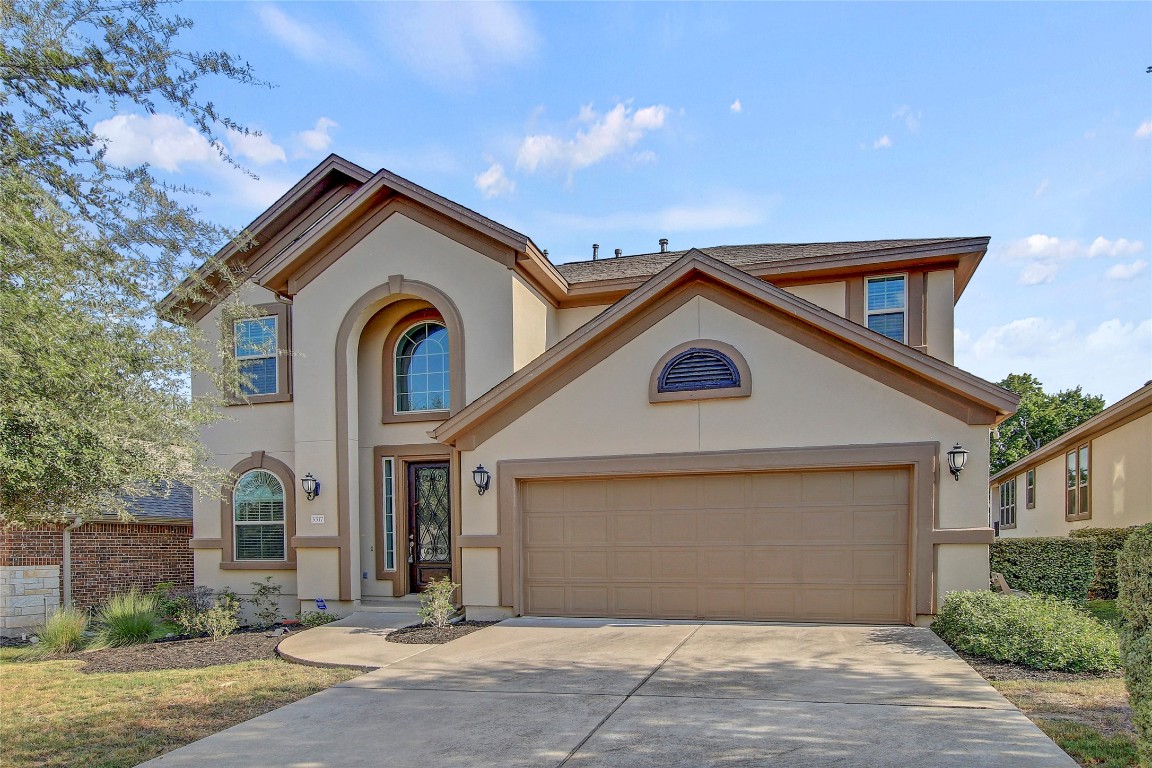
x: 957, y: 458
x: 310, y: 485
x: 482, y: 478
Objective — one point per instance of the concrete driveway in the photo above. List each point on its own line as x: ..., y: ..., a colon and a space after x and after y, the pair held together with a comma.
x: 584, y: 693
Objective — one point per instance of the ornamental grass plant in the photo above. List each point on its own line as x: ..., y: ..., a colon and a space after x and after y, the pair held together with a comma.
x: 126, y: 619
x: 62, y: 632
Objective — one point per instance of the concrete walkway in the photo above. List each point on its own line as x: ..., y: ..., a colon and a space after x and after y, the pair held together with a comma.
x: 595, y: 693
x: 356, y: 641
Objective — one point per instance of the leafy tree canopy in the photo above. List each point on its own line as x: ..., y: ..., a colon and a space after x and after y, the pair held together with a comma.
x: 94, y: 390
x: 1040, y: 419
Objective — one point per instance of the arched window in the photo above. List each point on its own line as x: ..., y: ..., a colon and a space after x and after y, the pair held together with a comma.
x: 422, y: 369
x: 258, y: 517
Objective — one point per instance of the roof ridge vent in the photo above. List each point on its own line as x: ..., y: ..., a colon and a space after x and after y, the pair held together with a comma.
x: 663, y: 245
x: 595, y: 251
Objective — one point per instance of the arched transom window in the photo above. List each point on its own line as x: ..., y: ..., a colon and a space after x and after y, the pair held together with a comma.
x: 422, y: 369
x: 258, y: 516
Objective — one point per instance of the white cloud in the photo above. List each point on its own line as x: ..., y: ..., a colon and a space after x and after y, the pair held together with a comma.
x: 1041, y: 188
x: 307, y: 40
x: 911, y: 117
x: 723, y: 213
x: 1102, y: 246
x: 1038, y: 273
x: 1111, y: 358
x: 450, y: 43
x: 606, y: 135
x: 493, y: 182
x: 1041, y: 247
x: 1126, y: 271
x: 737, y: 107
x: 315, y: 140
x: 164, y: 141
x: 259, y: 149
x: 1145, y: 130
x: 882, y: 143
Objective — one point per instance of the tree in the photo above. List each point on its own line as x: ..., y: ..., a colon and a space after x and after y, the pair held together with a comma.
x: 1040, y: 419
x: 94, y: 391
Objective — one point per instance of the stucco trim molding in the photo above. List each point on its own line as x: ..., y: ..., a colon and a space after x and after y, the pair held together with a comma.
x: 921, y: 459
x: 729, y: 351
x: 258, y: 460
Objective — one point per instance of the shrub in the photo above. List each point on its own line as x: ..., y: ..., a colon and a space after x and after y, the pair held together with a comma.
x: 1134, y: 575
x: 169, y: 603
x: 126, y: 619
x: 1038, y: 631
x: 223, y: 618
x: 62, y: 631
x: 436, y: 605
x: 1108, y: 542
x: 266, y: 602
x: 310, y: 619
x: 1057, y: 566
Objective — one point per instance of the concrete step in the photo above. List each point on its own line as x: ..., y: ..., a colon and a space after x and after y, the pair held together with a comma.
x: 407, y: 604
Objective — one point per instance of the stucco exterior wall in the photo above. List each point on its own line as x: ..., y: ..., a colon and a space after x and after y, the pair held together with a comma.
x: 939, y: 314
x: 1120, y: 485
x: 799, y: 399
x: 531, y: 318
x: 568, y: 320
x: 831, y: 296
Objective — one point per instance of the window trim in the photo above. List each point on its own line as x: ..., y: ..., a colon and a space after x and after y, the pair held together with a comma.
x: 228, y: 561
x: 388, y: 369
x: 283, y: 523
x: 283, y: 393
x: 868, y: 313
x: 1008, y: 509
x: 1030, y: 489
x: 1083, y: 485
x: 733, y: 355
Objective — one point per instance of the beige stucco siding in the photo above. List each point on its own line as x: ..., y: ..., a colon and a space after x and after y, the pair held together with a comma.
x: 568, y: 320
x: 799, y: 399
x: 1120, y: 486
x: 530, y: 322
x: 830, y: 296
x: 939, y: 314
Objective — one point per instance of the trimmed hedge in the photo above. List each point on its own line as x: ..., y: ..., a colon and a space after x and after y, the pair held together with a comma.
x: 1047, y: 565
x: 1038, y: 631
x: 1108, y: 543
x: 1134, y: 574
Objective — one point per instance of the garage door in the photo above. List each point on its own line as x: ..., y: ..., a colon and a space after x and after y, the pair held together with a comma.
x: 783, y: 546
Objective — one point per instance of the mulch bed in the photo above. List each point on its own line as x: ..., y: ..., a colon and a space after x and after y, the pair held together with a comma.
x: 419, y: 633
x: 181, y: 654
x: 996, y: 670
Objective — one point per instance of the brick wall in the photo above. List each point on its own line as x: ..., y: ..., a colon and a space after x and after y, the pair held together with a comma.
x: 106, y: 557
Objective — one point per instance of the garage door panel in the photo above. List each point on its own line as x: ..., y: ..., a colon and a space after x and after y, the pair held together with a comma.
x: 806, y: 546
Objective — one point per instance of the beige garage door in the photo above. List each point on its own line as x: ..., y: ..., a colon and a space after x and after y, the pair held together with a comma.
x: 784, y: 546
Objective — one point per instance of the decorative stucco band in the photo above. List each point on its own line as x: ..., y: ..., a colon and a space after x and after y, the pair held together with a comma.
x: 922, y: 459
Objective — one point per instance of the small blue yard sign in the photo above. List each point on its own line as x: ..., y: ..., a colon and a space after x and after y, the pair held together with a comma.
x: 321, y: 605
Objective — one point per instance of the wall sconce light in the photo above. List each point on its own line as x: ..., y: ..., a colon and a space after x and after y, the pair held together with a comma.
x: 482, y: 478
x: 957, y: 458
x: 310, y: 485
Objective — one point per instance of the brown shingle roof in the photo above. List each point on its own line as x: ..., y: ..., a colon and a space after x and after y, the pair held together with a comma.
x: 740, y: 256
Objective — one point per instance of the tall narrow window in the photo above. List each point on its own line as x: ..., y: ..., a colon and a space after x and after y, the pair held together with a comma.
x: 1030, y: 488
x: 389, y: 510
x: 886, y: 302
x: 1077, y: 505
x: 422, y: 381
x: 1008, y: 504
x: 258, y: 517
x: 255, y: 340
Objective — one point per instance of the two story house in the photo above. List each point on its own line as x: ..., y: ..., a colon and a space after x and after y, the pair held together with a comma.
x: 755, y: 432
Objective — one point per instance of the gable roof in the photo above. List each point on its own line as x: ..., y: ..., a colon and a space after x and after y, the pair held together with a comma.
x: 171, y: 503
x: 933, y: 381
x: 1135, y: 405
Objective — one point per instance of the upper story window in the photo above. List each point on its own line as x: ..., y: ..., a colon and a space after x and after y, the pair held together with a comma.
x: 885, y: 306
x: 258, y: 517
x: 1076, y: 496
x: 421, y: 369
x: 1008, y: 504
x: 256, y: 351
x: 1030, y: 488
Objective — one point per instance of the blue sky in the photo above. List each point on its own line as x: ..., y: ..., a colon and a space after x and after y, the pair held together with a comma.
x: 716, y: 124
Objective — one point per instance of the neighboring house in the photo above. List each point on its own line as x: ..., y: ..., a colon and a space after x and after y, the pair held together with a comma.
x: 45, y: 566
x: 1098, y: 475
x: 706, y: 433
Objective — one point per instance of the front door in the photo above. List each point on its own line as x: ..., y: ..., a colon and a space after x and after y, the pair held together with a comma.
x: 429, y: 524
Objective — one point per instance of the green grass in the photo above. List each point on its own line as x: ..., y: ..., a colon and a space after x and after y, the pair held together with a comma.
x: 1106, y: 611
x: 1089, y: 747
x: 57, y: 716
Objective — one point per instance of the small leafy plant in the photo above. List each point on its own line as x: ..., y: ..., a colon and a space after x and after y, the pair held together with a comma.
x: 310, y: 619
x: 223, y: 618
x: 62, y: 631
x: 436, y: 604
x: 169, y: 602
x: 126, y: 619
x: 266, y: 602
x: 193, y: 602
x: 1038, y: 631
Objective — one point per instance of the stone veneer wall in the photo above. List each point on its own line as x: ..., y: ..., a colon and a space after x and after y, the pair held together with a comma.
x: 107, y: 557
x: 27, y: 595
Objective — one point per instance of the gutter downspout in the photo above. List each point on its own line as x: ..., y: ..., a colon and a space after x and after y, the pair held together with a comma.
x: 66, y: 568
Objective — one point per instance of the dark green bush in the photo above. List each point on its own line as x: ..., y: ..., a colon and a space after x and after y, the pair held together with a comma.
x: 1048, y: 565
x: 1038, y: 631
x: 1134, y: 575
x: 1108, y: 542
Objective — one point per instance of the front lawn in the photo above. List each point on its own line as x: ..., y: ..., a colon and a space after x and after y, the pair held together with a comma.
x: 57, y: 715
